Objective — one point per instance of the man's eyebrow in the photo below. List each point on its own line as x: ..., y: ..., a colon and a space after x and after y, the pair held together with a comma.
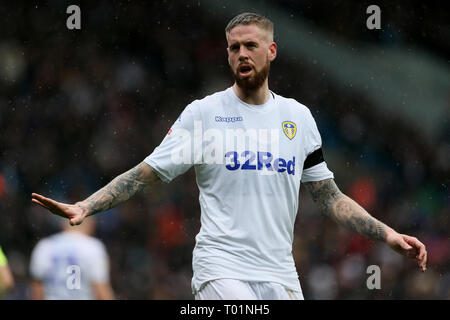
x: 244, y: 42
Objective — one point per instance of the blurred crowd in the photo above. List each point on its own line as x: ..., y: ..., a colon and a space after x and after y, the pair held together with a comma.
x: 77, y: 108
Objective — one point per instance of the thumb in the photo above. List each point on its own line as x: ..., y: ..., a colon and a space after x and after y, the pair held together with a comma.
x: 406, y: 246
x: 403, y: 245
x: 409, y: 250
x: 74, y: 221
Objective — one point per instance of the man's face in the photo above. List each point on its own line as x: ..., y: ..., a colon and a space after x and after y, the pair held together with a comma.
x: 250, y: 51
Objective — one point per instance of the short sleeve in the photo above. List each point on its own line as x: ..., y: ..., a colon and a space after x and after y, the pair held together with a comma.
x: 99, y: 262
x: 177, y: 152
x: 314, y: 166
x: 38, y: 261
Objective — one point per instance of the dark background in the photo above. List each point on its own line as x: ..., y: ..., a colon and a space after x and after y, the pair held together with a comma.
x: 79, y: 107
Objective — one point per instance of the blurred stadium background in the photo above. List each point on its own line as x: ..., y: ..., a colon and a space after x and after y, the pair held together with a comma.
x: 78, y: 108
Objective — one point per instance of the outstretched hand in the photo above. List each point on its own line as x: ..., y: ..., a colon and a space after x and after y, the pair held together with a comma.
x: 410, y: 247
x: 74, y: 212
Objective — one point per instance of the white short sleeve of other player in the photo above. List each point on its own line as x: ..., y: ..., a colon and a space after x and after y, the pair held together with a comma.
x: 99, y: 264
x: 39, y: 263
x: 319, y: 171
x: 176, y: 153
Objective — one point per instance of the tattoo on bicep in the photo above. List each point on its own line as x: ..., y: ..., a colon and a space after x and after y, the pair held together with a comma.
x: 324, y: 193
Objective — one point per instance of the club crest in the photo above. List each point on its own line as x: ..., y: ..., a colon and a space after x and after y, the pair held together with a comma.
x: 289, y: 129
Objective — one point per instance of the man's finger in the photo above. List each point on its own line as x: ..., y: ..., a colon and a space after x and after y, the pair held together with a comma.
x: 423, y: 259
x: 418, y: 246
x: 74, y: 221
x: 405, y: 246
x: 49, y: 203
x: 39, y: 203
x: 421, y: 254
x: 41, y: 198
x: 422, y: 264
x: 36, y: 196
x: 413, y: 242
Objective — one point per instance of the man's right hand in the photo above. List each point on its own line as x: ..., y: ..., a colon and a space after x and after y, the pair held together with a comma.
x: 119, y: 190
x: 74, y: 212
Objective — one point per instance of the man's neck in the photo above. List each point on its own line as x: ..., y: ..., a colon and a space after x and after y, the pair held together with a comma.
x: 255, y: 97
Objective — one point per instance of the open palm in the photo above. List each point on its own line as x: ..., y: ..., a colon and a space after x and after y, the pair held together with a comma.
x: 74, y: 213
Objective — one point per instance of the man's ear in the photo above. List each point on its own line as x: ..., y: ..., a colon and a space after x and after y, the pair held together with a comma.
x: 272, y: 51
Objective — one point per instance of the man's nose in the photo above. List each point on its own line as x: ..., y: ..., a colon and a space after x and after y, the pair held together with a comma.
x: 243, y: 54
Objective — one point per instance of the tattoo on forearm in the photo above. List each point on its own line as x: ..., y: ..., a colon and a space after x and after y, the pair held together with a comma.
x: 117, y: 191
x: 345, y: 211
x: 358, y: 220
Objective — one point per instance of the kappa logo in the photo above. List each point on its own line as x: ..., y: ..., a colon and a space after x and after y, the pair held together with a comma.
x: 227, y: 119
x: 289, y: 129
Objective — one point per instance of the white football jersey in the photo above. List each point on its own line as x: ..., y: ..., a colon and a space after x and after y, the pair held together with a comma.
x: 68, y: 263
x: 249, y: 161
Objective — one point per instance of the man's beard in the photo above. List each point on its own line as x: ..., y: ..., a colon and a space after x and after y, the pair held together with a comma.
x: 255, y: 81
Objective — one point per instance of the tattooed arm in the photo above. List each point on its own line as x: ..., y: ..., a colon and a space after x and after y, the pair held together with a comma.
x: 346, y: 212
x: 119, y: 190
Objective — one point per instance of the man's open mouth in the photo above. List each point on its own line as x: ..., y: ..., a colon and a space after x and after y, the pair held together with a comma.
x: 245, y: 70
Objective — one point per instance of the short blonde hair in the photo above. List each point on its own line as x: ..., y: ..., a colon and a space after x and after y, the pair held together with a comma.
x: 248, y: 18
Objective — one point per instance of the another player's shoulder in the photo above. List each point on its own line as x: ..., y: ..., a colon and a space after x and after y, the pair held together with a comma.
x: 50, y: 240
x: 44, y: 244
x: 80, y: 240
x: 95, y: 244
x: 87, y: 241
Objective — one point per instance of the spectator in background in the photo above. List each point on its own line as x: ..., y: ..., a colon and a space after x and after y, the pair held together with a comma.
x: 70, y: 265
x: 6, y: 277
